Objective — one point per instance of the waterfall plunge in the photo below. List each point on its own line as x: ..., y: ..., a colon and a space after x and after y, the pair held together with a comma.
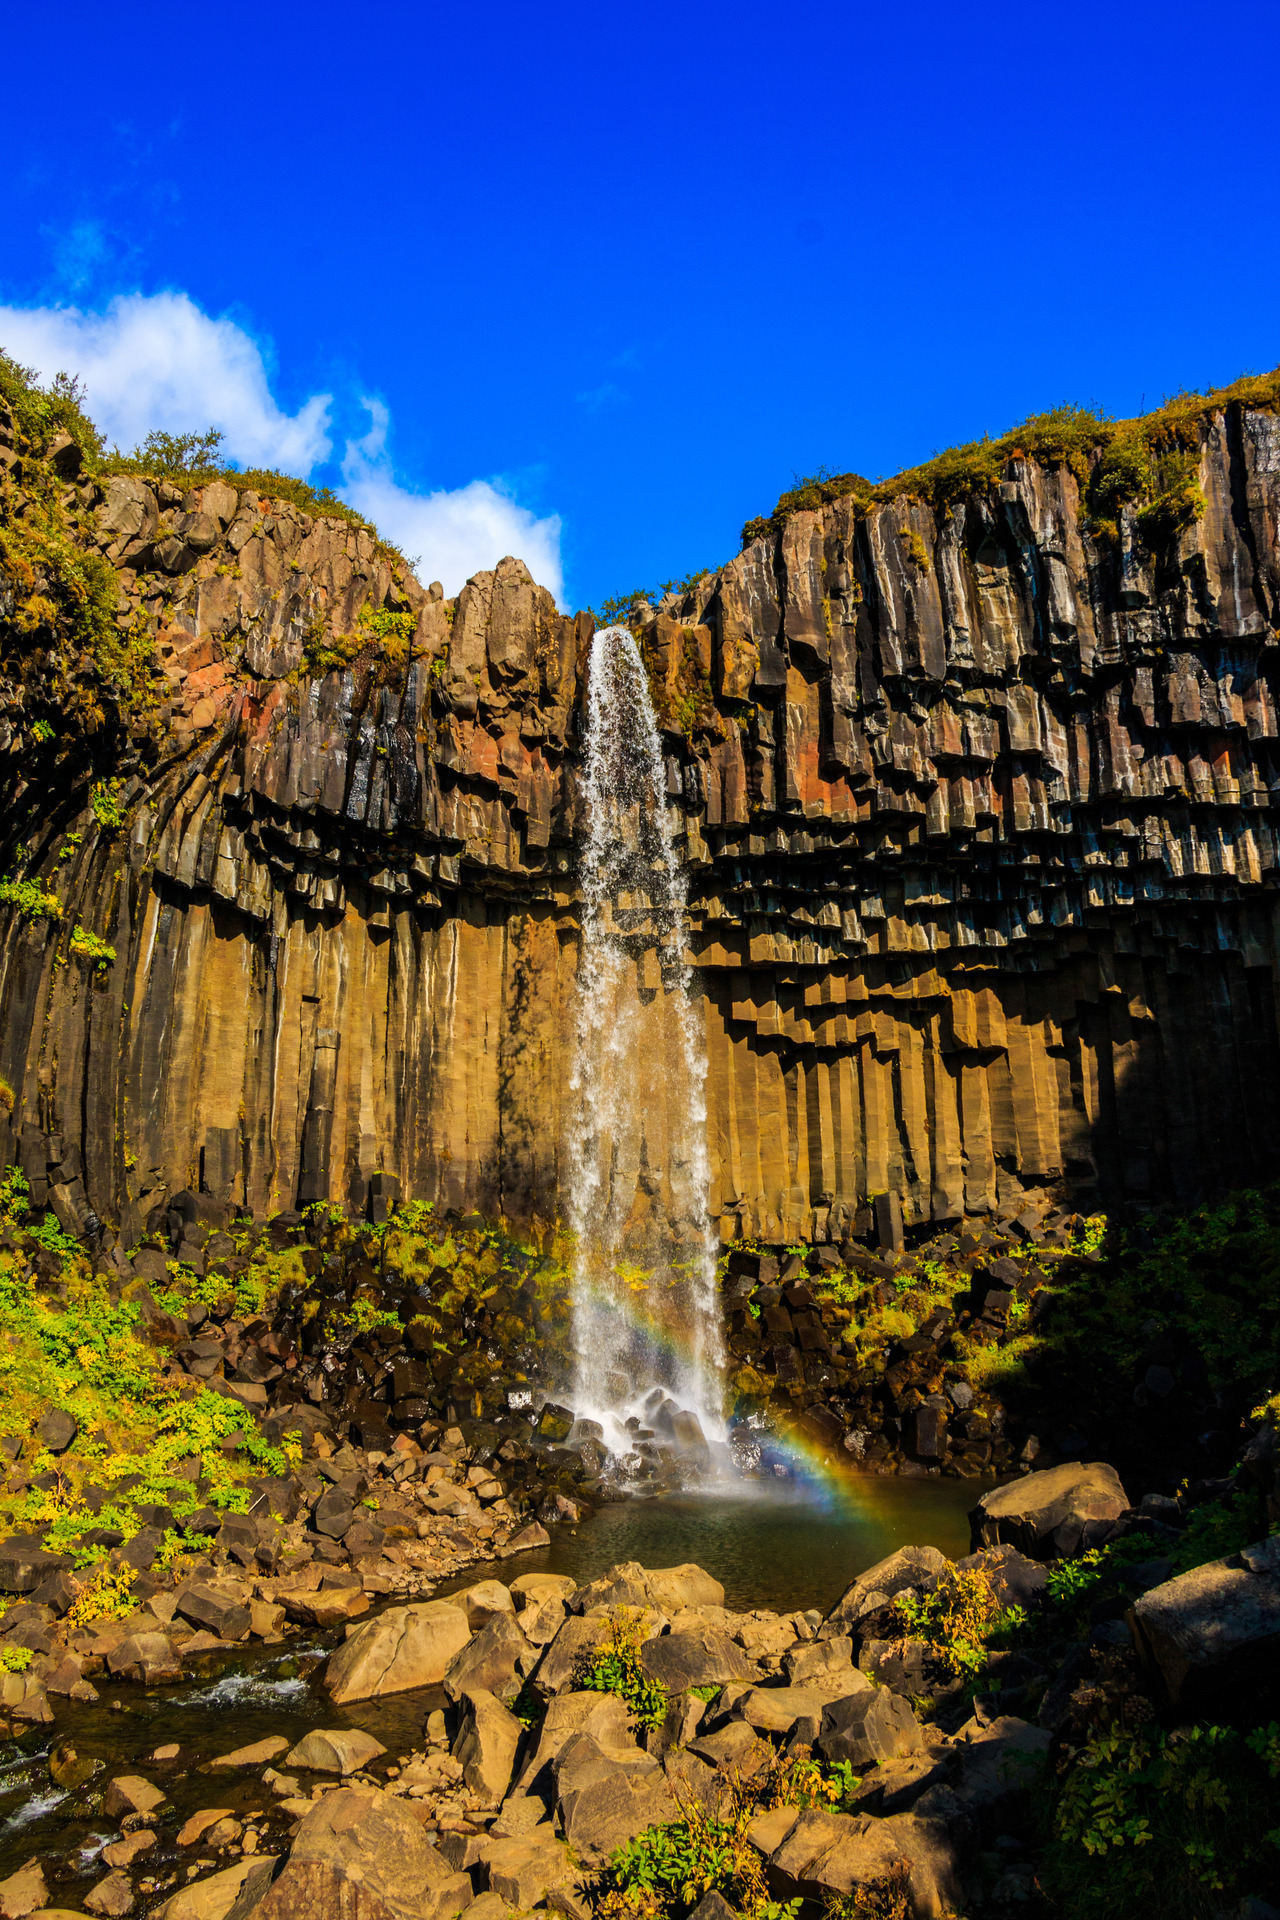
x: 644, y: 1274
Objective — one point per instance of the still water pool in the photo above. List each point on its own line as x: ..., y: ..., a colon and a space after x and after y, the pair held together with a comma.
x: 776, y: 1543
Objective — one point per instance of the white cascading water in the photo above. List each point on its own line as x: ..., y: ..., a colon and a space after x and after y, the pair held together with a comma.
x: 645, y: 1313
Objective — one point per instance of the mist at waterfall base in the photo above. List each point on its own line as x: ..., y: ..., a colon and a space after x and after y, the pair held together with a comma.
x: 649, y: 1352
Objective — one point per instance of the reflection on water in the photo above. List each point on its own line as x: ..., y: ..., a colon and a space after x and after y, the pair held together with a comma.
x: 781, y: 1544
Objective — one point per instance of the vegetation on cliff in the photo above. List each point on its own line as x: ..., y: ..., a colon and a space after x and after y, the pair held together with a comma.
x: 1117, y: 463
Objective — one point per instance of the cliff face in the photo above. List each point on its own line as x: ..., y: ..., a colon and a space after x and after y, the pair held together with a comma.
x: 977, y: 807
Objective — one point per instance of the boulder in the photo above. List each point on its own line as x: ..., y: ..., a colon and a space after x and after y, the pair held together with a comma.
x: 130, y: 1793
x: 488, y: 1737
x: 867, y: 1727
x: 666, y: 1590
x: 149, y: 1658
x: 111, y: 1897
x: 362, y: 1854
x: 1213, y: 1635
x: 530, y: 1590
x: 327, y: 1607
x: 917, y: 1567
x: 818, y: 1660
x: 402, y: 1648
x: 574, y: 1645
x: 1015, y: 1580
x: 528, y: 1537
x: 341, y: 1750
x: 829, y: 1857
x: 701, y: 1658
x: 1000, y: 1768
x: 1050, y: 1515
x: 494, y: 1661
x: 24, y: 1564
x: 260, y: 1753
x: 235, y: 1890
x: 776, y: 1709
x: 23, y: 1892
x: 220, y: 1610
x: 482, y: 1602
x: 602, y: 1715
x: 524, y: 1871
x: 607, y: 1796
x: 56, y: 1429
x: 192, y: 1831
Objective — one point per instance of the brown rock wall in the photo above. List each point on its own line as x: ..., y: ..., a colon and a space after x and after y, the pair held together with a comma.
x: 978, y: 814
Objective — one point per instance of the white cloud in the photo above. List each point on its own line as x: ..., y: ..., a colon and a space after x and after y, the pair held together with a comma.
x: 155, y: 360
x: 454, y: 534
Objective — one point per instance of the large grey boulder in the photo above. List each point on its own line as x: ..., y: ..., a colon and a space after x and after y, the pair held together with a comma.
x: 603, y: 1715
x: 917, y: 1567
x: 607, y: 1796
x: 777, y: 1709
x: 868, y: 1727
x: 362, y: 1854
x: 667, y: 1590
x: 495, y: 1661
x: 702, y: 1657
x: 822, y: 1855
x: 575, y: 1643
x: 402, y: 1648
x: 1050, y: 1515
x: 1214, y: 1630
x: 486, y: 1745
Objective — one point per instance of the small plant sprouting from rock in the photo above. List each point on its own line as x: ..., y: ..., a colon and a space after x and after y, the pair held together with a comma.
x: 615, y: 1667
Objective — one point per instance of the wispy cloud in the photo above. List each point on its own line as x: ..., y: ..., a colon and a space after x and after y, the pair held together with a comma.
x: 595, y: 398
x: 454, y: 534
x: 158, y: 361
x: 155, y: 360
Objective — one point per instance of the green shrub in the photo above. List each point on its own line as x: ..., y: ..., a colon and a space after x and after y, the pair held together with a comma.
x: 615, y: 1667
x: 1151, y: 1822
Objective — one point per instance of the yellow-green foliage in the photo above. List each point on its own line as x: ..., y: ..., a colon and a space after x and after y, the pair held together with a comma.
x: 32, y: 901
x: 1115, y: 462
x: 93, y: 1358
x: 381, y: 637
x: 90, y: 946
x: 65, y: 595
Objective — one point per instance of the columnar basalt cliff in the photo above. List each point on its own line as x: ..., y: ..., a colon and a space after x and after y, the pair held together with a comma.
x: 977, y: 805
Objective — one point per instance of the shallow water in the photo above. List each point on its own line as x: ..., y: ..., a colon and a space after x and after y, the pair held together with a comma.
x: 783, y: 1544
x: 780, y: 1544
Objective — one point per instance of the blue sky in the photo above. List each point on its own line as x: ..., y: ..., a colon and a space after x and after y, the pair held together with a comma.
x: 610, y: 277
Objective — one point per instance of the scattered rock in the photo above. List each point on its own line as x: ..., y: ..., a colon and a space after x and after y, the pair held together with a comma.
x: 1051, y: 1515
x: 362, y: 1854
x: 871, y: 1726
x: 488, y: 1737
x: 260, y: 1754
x: 494, y: 1661
x: 130, y: 1793
x: 402, y: 1648
x: 1215, y: 1631
x: 23, y: 1892
x: 193, y: 1830
x: 112, y: 1896
x: 335, y: 1750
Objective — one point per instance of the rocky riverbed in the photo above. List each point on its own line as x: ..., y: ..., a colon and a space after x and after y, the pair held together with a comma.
x: 528, y: 1743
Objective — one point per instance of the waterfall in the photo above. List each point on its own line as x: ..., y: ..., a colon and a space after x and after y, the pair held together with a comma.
x: 646, y: 1324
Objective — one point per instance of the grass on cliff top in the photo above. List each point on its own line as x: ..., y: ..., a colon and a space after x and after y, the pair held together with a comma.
x: 1138, y: 460
x: 186, y: 460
